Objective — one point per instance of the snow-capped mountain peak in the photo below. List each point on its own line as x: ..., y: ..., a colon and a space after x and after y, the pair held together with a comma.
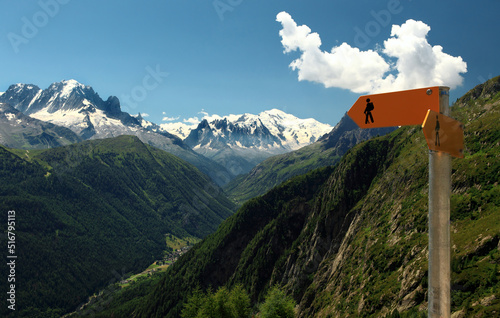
x: 71, y: 104
x: 69, y: 86
x: 291, y: 132
x: 285, y: 131
x: 239, y: 142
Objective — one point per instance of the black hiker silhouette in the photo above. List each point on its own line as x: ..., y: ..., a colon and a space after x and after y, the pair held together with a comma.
x: 437, y: 142
x: 368, y: 110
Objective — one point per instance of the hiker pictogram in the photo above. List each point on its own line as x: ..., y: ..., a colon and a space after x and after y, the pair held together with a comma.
x: 437, y: 142
x: 443, y: 134
x: 368, y: 111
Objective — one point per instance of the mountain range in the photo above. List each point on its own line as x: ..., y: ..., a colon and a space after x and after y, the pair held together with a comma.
x: 324, y: 152
x: 222, y: 147
x: 78, y: 107
x: 340, y: 224
x: 239, y: 142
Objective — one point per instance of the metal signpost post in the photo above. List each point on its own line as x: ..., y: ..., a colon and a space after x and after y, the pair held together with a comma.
x: 439, y: 291
x: 444, y: 136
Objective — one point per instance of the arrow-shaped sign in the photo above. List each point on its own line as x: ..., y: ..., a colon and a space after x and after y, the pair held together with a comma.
x: 444, y: 133
x: 395, y: 109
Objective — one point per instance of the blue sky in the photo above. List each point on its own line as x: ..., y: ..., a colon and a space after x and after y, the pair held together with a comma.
x: 182, y: 58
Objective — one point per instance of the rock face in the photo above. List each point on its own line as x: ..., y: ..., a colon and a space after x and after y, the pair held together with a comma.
x: 347, y: 134
x: 23, y: 132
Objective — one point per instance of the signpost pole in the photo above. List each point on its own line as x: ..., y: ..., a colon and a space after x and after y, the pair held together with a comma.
x: 439, y: 291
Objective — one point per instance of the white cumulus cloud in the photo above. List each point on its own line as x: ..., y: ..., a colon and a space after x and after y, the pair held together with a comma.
x: 418, y: 64
x: 192, y: 121
x: 166, y: 118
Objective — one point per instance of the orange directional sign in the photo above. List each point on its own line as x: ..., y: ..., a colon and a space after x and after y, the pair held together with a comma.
x: 444, y: 134
x: 394, y: 109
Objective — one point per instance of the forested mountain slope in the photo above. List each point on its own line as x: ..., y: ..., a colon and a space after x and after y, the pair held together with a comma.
x: 351, y: 240
x: 90, y: 210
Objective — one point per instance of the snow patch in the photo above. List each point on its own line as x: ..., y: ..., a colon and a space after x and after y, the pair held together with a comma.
x: 62, y: 118
x: 179, y: 129
x: 86, y: 102
x: 35, y: 98
x: 146, y: 124
x: 10, y: 116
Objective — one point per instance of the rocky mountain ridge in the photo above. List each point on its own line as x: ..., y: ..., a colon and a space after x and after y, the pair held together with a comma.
x: 222, y: 147
x: 24, y: 132
x: 239, y: 142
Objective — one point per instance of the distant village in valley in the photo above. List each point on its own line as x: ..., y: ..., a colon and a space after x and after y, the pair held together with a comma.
x: 159, y: 265
x: 174, y: 256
